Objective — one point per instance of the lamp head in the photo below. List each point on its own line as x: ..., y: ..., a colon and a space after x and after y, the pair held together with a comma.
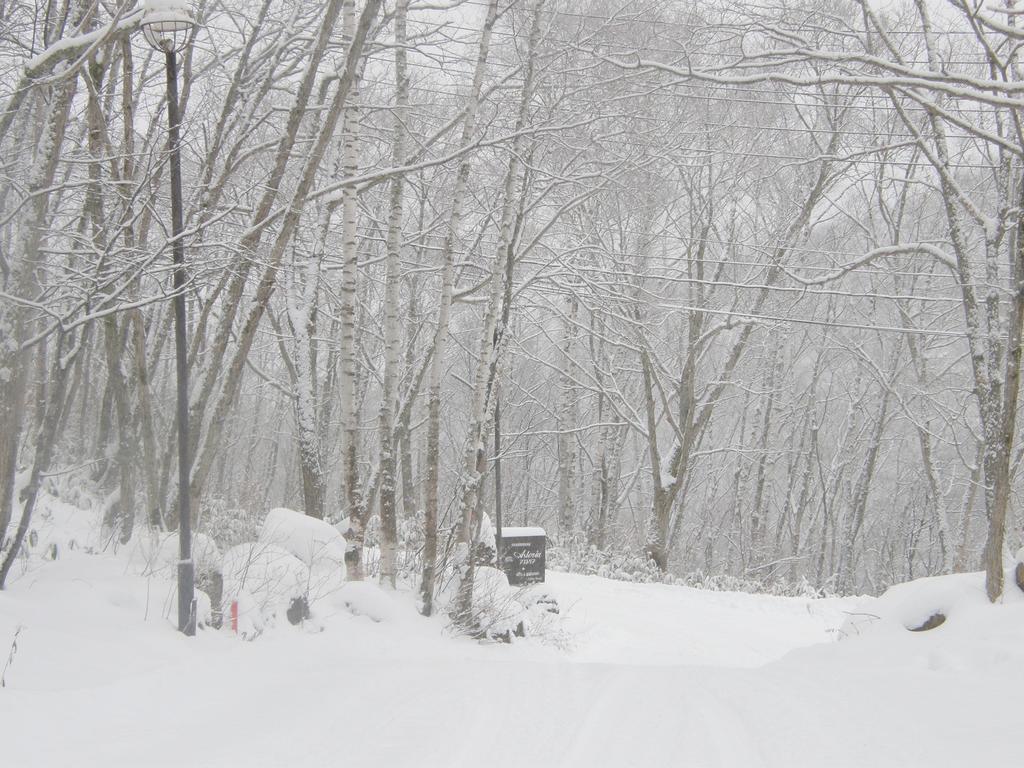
x: 167, y: 24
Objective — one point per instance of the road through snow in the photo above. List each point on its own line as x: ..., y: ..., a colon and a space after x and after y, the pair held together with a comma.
x: 648, y: 675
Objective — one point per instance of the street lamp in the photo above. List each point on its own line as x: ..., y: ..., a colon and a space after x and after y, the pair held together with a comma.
x: 167, y: 26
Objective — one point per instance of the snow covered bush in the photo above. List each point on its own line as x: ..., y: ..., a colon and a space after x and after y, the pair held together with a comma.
x: 312, y: 541
x: 317, y: 544
x: 544, y: 618
x: 410, y: 545
x: 497, y: 612
x: 575, y: 555
x: 151, y: 552
x: 156, y: 553
x: 57, y: 527
x: 727, y: 583
x: 296, y: 562
x: 369, y: 599
x: 226, y: 525
x: 485, y: 550
x: 501, y: 612
x: 265, y: 580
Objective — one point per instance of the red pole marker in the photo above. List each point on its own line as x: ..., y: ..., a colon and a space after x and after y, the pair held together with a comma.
x: 234, y: 616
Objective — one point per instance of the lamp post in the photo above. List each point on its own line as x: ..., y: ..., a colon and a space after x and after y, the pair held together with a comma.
x: 167, y: 26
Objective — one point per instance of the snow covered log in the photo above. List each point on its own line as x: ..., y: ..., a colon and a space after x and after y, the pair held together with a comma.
x: 937, y: 619
x: 925, y: 604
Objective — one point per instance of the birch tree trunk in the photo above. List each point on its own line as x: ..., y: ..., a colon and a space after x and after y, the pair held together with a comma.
x: 292, y: 215
x: 433, y: 439
x: 392, y: 337
x: 492, y: 342
x: 249, y: 244
x: 355, y: 503
x: 566, y: 426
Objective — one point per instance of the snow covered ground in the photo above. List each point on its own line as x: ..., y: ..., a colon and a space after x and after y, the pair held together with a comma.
x: 631, y: 675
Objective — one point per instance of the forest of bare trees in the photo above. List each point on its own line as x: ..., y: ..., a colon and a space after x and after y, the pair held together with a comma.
x: 743, y: 283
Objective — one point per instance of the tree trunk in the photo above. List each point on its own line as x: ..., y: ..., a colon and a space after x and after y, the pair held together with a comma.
x: 1003, y: 449
x: 433, y: 440
x: 29, y: 227
x: 44, y: 454
x: 392, y: 338
x: 292, y: 216
x: 493, y: 339
x: 355, y: 503
x: 566, y: 424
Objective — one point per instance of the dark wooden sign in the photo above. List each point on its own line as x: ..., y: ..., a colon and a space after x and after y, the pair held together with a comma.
x: 522, y: 557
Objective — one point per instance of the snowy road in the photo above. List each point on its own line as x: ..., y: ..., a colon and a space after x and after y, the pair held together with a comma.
x: 657, y: 676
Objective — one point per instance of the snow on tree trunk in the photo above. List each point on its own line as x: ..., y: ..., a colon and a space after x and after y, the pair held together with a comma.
x: 433, y: 441
x: 28, y: 229
x: 392, y: 337
x: 566, y: 427
x: 268, y: 281
x: 492, y: 341
x: 356, y: 505
x: 301, y: 302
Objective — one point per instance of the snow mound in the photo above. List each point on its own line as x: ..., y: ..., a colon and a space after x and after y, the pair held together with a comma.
x: 316, y: 544
x: 957, y: 598
x: 313, y: 541
x: 364, y: 598
x: 248, y: 620
x: 496, y: 607
x: 264, y: 579
x: 58, y: 526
